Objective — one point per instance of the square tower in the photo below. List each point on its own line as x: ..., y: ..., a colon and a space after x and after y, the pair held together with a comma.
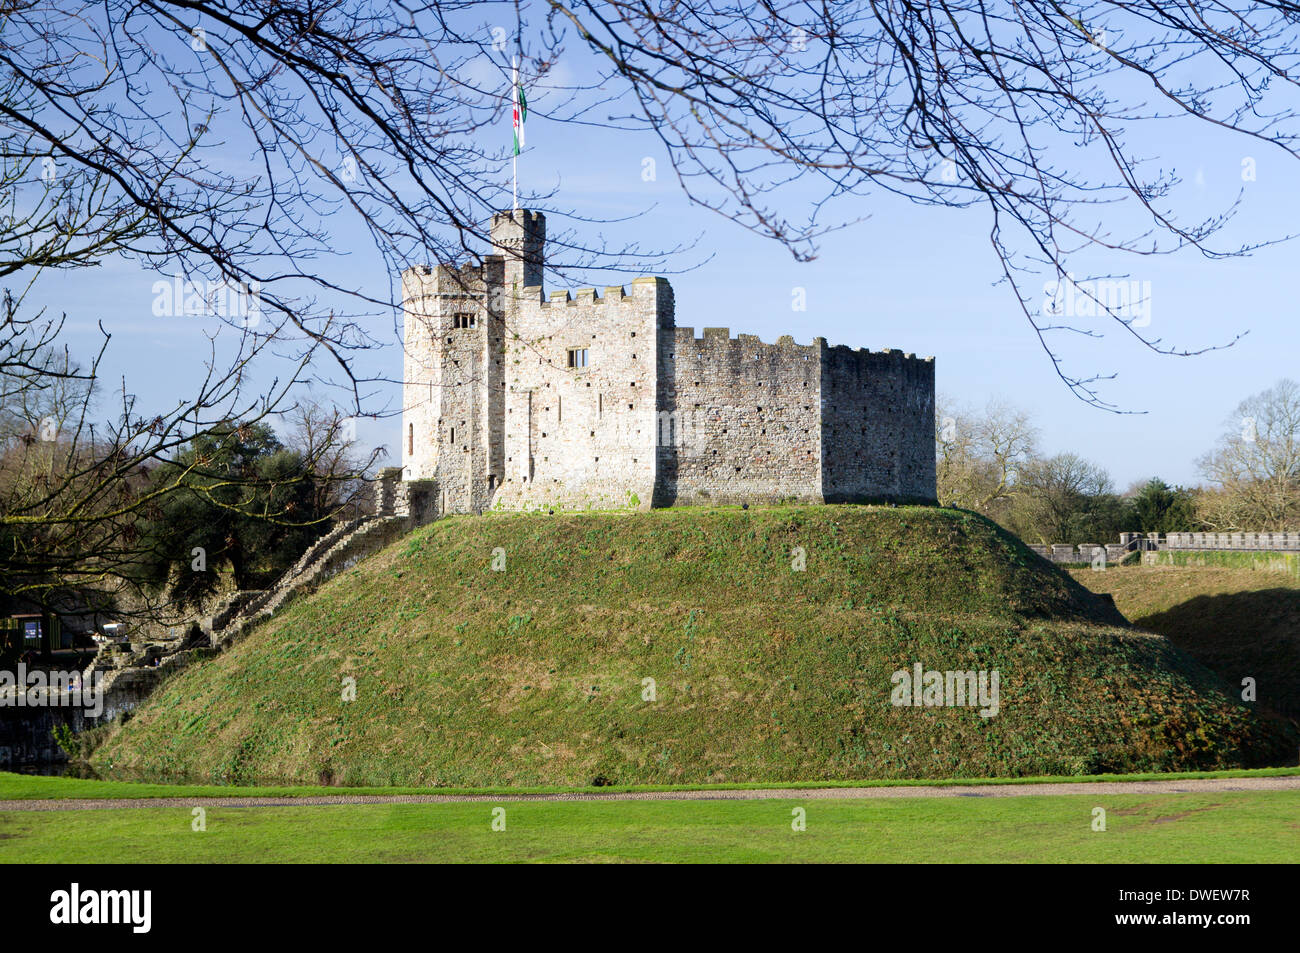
x: 452, y: 365
x: 453, y: 401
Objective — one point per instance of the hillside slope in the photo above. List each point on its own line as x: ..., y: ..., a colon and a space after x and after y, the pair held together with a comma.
x: 1237, y: 622
x: 537, y: 674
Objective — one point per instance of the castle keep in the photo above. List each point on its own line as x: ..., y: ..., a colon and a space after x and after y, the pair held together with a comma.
x: 514, y: 400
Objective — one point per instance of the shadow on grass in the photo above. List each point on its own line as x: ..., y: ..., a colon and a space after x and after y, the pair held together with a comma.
x: 1242, y: 635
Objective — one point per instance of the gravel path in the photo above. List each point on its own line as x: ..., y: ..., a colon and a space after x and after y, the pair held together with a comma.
x: 1290, y: 783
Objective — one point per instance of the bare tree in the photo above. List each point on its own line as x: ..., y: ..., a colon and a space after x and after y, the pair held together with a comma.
x: 323, y: 434
x: 71, y: 492
x: 386, y: 115
x: 981, y: 453
x: 1255, y: 468
x: 223, y: 145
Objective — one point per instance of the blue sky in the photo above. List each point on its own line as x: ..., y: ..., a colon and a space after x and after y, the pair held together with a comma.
x: 913, y: 278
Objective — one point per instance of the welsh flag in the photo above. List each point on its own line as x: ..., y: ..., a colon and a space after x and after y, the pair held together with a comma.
x: 520, y: 110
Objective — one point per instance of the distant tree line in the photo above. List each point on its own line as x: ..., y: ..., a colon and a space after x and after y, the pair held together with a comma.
x: 989, y: 460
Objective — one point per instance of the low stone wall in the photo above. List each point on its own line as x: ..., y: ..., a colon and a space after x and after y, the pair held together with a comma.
x: 1169, y: 542
x: 367, y: 537
x: 1253, y: 542
x: 1083, y: 553
x: 126, y: 688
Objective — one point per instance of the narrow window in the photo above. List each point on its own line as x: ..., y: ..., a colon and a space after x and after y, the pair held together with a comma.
x: 410, y: 440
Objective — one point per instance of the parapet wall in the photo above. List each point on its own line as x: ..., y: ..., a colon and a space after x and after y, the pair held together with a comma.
x: 739, y: 419
x: 750, y: 421
x: 1253, y: 542
x: 582, y: 436
x: 1150, y: 544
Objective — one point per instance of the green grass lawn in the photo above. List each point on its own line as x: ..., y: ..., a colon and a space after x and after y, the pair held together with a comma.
x: 39, y: 787
x: 1224, y: 827
x: 1144, y: 592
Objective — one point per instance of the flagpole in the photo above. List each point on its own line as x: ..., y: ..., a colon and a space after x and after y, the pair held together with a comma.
x: 514, y: 111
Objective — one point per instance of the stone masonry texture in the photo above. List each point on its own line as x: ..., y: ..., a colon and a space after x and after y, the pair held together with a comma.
x: 595, y: 399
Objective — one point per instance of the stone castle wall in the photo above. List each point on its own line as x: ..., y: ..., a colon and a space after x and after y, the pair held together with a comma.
x: 877, y: 426
x: 583, y: 437
x: 497, y: 414
x: 739, y: 420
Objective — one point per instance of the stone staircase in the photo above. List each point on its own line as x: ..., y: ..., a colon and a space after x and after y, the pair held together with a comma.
x: 335, y: 552
x: 131, y: 676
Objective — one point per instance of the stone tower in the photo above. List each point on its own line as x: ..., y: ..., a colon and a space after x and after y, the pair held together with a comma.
x: 520, y: 238
x: 453, y: 392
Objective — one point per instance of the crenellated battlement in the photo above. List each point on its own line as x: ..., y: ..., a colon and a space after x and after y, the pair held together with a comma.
x: 595, y: 398
x: 718, y: 344
x: 642, y: 289
x: 743, y: 355
x: 533, y: 220
x: 466, y: 279
x: 861, y: 363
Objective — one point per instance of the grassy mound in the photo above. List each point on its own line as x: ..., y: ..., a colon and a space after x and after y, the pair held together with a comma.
x: 537, y: 672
